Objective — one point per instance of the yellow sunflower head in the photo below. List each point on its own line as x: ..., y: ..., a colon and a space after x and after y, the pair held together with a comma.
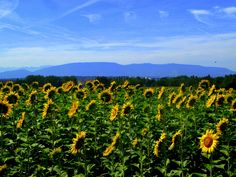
x: 77, y: 142
x: 220, y: 124
x: 6, y: 89
x: 35, y: 85
x: 46, y: 87
x: 212, y: 90
x: 114, y: 112
x: 66, y: 87
x: 89, y: 84
x: 182, y: 88
x: 73, y: 109
x: 208, y: 141
x: 12, y: 98
x: 210, y: 101
x: 5, y: 109
x: 233, y: 105
x: 32, y: 98
x: 16, y: 87
x: 91, y: 105
x: 161, y: 92
x: 125, y: 84
x: 9, y: 83
x: 148, y: 92
x: 80, y: 94
x: 191, y: 101
x: 50, y: 94
x: 219, y: 100
x: 105, y: 96
x: 127, y: 108
x: 171, y: 98
x: 204, y: 84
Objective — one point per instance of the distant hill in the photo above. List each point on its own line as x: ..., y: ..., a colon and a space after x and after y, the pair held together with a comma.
x: 114, y: 69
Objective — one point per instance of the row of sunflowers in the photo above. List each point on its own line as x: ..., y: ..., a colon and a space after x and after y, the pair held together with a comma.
x: 117, y: 130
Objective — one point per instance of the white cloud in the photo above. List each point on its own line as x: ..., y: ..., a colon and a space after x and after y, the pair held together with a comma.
x: 229, y: 10
x: 7, y: 7
x: 201, y: 50
x: 163, y: 14
x: 199, y: 15
x: 93, y: 18
x: 129, y: 16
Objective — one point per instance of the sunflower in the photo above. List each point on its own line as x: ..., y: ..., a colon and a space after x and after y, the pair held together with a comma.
x: 212, y: 90
x: 46, y: 87
x: 5, y: 108
x: 144, y: 131
x: 181, y: 102
x: 228, y: 98
x: 161, y: 92
x: 219, y: 100
x: 3, y: 167
x: 190, y: 89
x: 208, y: 141
x: 6, y: 89
x: 51, y: 93
x: 1, y: 85
x: 177, y: 98
x: 35, y: 85
x: 90, y: 105
x: 9, y: 83
x: 148, y: 92
x: 233, y: 105
x: 158, y: 142
x: 178, y: 133
x: 73, y: 109
x: 126, y: 108
x: 66, y: 87
x: 135, y: 142
x: 89, y: 84
x: 112, y: 86
x: 11, y: 98
x: 105, y: 96
x: 100, y: 87
x: 114, y: 112
x: 32, y: 98
x: 80, y: 94
x: 210, y: 101
x: 171, y: 98
x: 204, y: 84
x: 46, y: 108
x: 182, y: 88
x: 125, y: 84
x: 219, y: 125
x: 16, y: 87
x: 191, y: 101
x: 55, y: 151
x: 21, y: 120
x: 111, y: 147
x: 160, y: 112
x: 96, y: 82
x: 77, y: 142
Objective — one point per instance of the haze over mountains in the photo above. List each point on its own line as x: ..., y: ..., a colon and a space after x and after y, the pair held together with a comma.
x: 114, y: 69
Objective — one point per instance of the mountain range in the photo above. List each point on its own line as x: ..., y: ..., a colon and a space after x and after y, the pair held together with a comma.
x: 114, y: 70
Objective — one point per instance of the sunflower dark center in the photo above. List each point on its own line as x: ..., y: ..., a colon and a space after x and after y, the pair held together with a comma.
x: 208, y: 141
x: 106, y: 97
x: 148, y: 94
x: 80, y: 95
x: 3, y: 108
x: 127, y: 110
x: 12, y: 99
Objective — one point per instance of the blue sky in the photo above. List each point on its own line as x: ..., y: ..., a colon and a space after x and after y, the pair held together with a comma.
x: 51, y: 32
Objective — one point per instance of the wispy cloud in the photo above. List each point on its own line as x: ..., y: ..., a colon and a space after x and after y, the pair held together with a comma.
x: 163, y: 14
x: 7, y: 7
x: 93, y: 18
x: 229, y: 11
x: 199, y: 15
x: 79, y: 7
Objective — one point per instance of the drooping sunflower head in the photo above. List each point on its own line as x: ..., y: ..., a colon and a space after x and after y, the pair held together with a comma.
x: 161, y: 92
x: 160, y: 112
x: 177, y: 98
x: 219, y: 100
x: 191, y: 101
x: 171, y: 98
x: 212, y: 90
x: 73, y: 109
x: 208, y: 141
x: 228, y: 98
x: 91, y: 105
x: 35, y: 85
x: 127, y: 108
x: 96, y: 82
x: 204, y: 84
x: 114, y: 112
x: 105, y: 96
x: 32, y: 98
x: 181, y: 102
x: 12, y: 98
x: 210, y: 101
x: 148, y: 92
x: 47, y: 108
x: 220, y: 125
x: 51, y: 93
x: 125, y: 84
x: 46, y: 87
x: 99, y: 87
x: 182, y: 88
x: 112, y: 85
x: 5, y: 109
x: 66, y: 87
x: 233, y: 105
x: 174, y: 137
x: 25, y: 86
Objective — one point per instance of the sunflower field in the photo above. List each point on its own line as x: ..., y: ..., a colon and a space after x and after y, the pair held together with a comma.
x: 79, y: 130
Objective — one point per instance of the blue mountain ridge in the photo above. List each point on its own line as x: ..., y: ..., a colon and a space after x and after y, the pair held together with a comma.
x: 114, y: 69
